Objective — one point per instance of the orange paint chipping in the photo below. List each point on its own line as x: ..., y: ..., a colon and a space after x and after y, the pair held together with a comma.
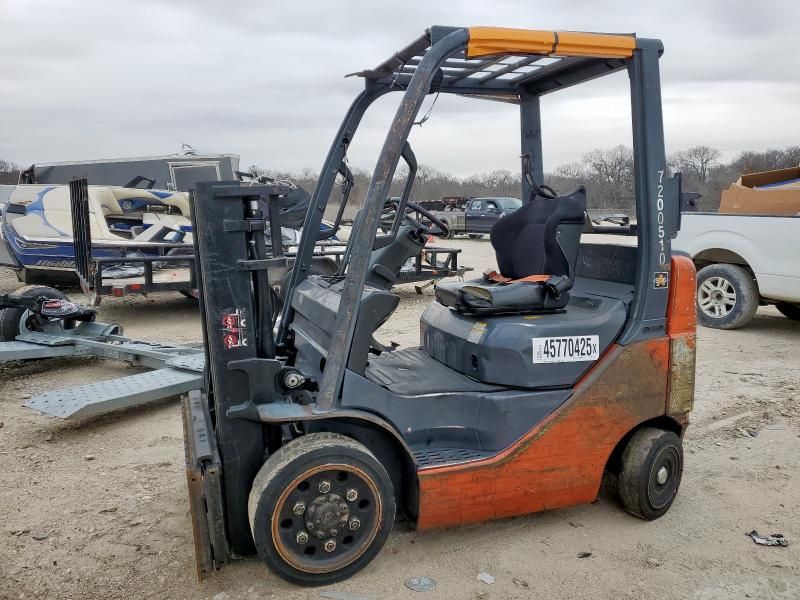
x: 560, y: 462
x: 486, y: 41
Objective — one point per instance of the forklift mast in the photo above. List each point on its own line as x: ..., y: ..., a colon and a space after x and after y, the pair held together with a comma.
x: 236, y: 308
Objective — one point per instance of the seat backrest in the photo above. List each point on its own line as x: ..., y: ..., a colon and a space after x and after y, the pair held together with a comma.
x: 542, y: 237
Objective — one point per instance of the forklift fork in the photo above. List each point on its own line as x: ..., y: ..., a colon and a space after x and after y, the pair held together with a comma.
x: 203, y: 476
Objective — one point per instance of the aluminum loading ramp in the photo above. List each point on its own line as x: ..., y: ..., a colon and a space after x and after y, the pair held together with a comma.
x: 175, y: 369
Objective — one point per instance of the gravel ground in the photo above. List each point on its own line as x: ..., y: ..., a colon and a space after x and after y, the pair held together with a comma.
x: 98, y: 508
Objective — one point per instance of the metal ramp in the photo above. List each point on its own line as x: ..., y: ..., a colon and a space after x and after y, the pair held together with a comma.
x: 106, y: 396
x: 176, y: 369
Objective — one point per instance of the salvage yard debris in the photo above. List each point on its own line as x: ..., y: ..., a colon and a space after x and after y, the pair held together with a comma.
x: 421, y: 584
x: 776, y: 539
x: 341, y: 596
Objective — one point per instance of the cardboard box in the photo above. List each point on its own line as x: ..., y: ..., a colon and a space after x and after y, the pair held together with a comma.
x: 766, y: 193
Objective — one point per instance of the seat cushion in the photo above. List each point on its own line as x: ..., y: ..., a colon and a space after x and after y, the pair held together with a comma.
x: 479, y: 297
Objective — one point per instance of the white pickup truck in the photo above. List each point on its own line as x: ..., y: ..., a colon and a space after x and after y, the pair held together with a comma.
x: 743, y: 261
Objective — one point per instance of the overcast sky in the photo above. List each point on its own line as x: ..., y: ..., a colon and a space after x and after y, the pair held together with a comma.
x: 114, y: 78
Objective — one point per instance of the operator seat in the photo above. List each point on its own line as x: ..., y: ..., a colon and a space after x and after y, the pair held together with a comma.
x: 536, y: 249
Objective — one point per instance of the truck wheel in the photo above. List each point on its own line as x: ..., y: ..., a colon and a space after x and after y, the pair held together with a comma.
x: 727, y: 296
x: 320, y: 509
x: 11, y: 318
x: 790, y: 310
x: 476, y: 236
x: 449, y: 234
x: 652, y: 465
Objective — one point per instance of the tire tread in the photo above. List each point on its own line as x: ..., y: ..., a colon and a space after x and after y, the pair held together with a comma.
x: 747, y: 295
x: 634, y: 459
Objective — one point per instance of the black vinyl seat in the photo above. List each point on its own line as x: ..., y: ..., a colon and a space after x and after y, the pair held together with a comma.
x: 536, y: 249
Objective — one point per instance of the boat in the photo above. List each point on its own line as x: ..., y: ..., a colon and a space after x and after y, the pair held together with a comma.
x: 36, y: 234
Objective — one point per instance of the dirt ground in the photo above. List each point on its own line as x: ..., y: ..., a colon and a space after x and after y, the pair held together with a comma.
x: 98, y: 508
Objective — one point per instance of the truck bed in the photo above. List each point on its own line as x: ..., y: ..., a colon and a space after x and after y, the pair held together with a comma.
x: 769, y: 245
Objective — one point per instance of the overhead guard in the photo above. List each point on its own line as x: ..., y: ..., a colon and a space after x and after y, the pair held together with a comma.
x: 485, y: 41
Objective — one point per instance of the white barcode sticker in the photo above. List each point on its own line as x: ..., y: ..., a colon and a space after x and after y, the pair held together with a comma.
x: 575, y: 348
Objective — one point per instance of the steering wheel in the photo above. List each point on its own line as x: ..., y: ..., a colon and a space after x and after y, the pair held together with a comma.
x: 437, y: 227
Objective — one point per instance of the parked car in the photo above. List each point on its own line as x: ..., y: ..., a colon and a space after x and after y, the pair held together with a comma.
x: 478, y: 215
x: 743, y: 261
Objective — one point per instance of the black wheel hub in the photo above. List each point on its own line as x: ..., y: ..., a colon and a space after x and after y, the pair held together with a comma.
x: 326, y: 518
x: 327, y: 515
x: 664, y: 477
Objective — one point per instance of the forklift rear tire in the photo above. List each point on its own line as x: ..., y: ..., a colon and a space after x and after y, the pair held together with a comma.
x: 10, y: 318
x: 652, y: 466
x: 320, y: 509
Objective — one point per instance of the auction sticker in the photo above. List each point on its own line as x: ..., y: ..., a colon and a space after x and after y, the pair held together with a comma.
x: 575, y: 348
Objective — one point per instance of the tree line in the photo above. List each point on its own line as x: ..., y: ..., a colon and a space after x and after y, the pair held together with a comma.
x: 607, y: 174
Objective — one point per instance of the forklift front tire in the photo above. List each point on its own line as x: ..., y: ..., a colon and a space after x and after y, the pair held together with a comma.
x: 320, y: 509
x: 652, y: 466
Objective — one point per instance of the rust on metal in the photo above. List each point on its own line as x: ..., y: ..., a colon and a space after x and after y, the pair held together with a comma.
x: 560, y: 462
x: 202, y: 543
x: 681, y: 327
x: 681, y: 374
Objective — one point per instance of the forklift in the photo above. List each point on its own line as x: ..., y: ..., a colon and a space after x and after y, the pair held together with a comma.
x: 568, y: 362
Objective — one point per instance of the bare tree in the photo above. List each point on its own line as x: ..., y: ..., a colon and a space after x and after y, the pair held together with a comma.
x: 613, y: 166
x: 9, y: 172
x: 572, y: 170
x: 751, y: 162
x: 606, y: 172
x: 610, y: 177
x: 698, y: 160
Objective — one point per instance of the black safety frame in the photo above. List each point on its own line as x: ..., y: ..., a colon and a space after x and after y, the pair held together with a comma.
x: 437, y: 63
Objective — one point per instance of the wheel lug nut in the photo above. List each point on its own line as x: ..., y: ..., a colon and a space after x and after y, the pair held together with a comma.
x: 330, y: 545
x: 351, y: 495
x: 299, y: 508
x: 324, y: 487
x: 355, y: 524
x: 302, y: 537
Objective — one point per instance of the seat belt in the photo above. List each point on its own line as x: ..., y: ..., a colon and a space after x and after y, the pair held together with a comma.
x: 555, y: 284
x: 495, y: 277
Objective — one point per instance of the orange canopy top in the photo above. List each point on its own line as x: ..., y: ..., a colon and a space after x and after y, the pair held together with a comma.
x: 485, y: 41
